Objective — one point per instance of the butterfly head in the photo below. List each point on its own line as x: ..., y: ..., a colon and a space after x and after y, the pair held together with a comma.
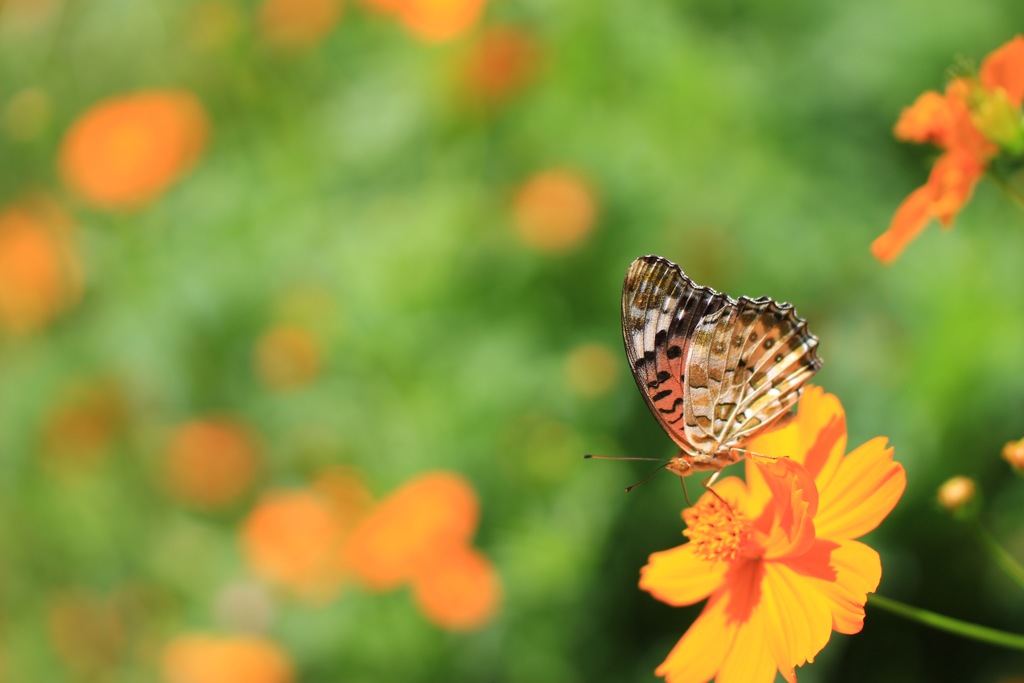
x: 685, y: 464
x: 681, y: 464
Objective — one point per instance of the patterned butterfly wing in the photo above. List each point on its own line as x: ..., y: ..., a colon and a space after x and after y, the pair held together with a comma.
x: 661, y: 309
x: 747, y: 365
x: 713, y: 371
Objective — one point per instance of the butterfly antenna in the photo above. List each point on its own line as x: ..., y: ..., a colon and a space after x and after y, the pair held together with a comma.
x: 645, y: 479
x: 612, y: 457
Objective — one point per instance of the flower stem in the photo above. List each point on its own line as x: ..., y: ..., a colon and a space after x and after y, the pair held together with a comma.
x: 944, y: 623
x: 1006, y: 187
x: 1002, y: 558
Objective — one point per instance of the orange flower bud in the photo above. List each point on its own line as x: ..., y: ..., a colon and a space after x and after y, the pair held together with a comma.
x: 956, y: 493
x: 1013, y: 453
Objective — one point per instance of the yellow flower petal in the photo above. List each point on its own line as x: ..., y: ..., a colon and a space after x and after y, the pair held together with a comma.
x: 678, y: 577
x: 863, y: 491
x: 750, y: 660
x: 800, y: 617
x: 816, y: 438
x: 843, y: 572
x: 701, y: 651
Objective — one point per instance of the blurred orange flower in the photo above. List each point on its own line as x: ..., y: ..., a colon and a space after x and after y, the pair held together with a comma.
x: 288, y: 357
x: 298, y: 23
x: 420, y: 520
x: 500, y: 64
x: 39, y: 270
x: 554, y: 211
x: 82, y: 426
x: 127, y: 150
x: 971, y: 122
x: 211, y: 462
x: 780, y: 567
x: 297, y: 538
x: 87, y: 632
x: 433, y: 21
x: 218, y: 659
x: 459, y: 590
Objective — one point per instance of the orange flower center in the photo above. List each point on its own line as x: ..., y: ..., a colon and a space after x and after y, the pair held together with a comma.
x: 715, y: 531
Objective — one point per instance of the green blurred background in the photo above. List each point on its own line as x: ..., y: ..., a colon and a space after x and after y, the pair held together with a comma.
x: 748, y: 141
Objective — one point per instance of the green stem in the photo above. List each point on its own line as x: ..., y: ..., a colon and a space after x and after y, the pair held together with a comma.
x: 944, y: 623
x: 1006, y: 187
x: 1002, y: 558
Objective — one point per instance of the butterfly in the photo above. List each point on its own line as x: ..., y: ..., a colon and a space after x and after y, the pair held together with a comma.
x: 713, y: 370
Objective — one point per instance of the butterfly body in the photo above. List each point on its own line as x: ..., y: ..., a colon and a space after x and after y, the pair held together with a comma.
x: 713, y: 370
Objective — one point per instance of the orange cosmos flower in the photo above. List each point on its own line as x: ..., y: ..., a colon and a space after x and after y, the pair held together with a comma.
x: 211, y: 462
x: 975, y: 119
x: 39, y: 271
x: 298, y: 23
x: 218, y: 659
x: 125, y: 151
x: 780, y: 567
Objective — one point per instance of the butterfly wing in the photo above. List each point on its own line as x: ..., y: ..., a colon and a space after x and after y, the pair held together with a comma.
x: 746, y: 367
x: 661, y: 309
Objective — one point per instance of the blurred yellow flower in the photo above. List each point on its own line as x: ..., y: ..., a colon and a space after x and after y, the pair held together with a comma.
x: 298, y: 23
x: 591, y: 370
x: 554, y: 211
x: 288, y: 357
x: 125, y: 151
x: 198, y: 658
x: 211, y: 462
x: 780, y: 567
x: 39, y: 270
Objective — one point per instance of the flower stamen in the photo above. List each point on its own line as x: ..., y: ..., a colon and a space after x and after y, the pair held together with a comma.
x: 716, y: 532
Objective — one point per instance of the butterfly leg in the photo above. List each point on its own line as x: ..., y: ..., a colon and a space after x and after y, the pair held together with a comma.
x: 743, y: 452
x: 708, y: 484
x: 682, y: 480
